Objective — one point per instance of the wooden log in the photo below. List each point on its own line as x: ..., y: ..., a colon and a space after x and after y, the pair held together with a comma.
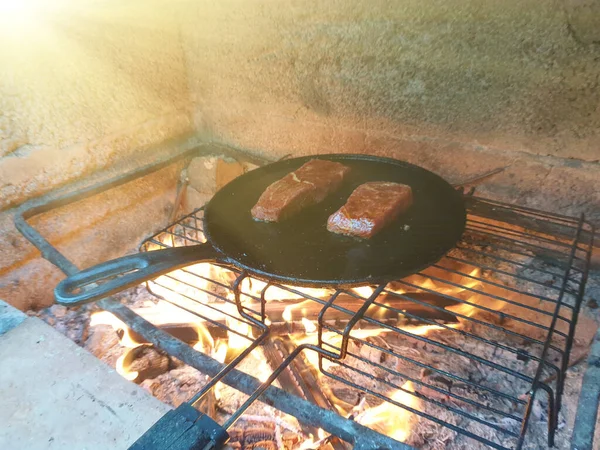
x: 307, y: 381
x: 286, y: 378
x: 147, y: 361
x: 279, y: 313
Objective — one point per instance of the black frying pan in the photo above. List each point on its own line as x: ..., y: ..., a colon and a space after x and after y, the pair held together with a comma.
x: 300, y: 250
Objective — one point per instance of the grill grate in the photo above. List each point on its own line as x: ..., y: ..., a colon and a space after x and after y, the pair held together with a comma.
x: 501, y: 310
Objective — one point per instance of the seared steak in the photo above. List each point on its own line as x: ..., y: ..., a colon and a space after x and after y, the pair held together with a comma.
x: 306, y: 186
x: 369, y: 208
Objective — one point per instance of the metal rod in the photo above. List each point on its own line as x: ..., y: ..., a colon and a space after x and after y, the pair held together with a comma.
x: 471, y: 335
x: 449, y: 407
x: 491, y: 283
x: 578, y: 301
x: 479, y: 178
x: 589, y: 399
x: 523, y: 234
x: 549, y: 330
x: 345, y: 337
x: 304, y: 411
x: 537, y: 379
x: 525, y: 209
x: 452, y: 376
x: 417, y: 412
x: 483, y: 308
x: 432, y: 387
x: 264, y: 332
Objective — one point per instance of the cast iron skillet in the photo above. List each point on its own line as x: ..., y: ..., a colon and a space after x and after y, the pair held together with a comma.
x: 300, y: 250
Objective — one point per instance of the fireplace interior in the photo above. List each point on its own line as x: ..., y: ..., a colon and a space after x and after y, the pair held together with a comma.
x: 472, y: 352
x: 119, y: 122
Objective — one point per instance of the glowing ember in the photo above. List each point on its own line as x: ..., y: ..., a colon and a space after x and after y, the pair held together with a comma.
x: 364, y: 291
x: 309, y: 326
x: 287, y: 314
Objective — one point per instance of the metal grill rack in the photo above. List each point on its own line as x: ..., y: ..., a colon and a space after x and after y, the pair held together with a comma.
x: 519, y: 244
x: 514, y: 285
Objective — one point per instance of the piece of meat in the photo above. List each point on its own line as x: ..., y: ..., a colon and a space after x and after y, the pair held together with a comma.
x: 306, y: 186
x: 369, y: 208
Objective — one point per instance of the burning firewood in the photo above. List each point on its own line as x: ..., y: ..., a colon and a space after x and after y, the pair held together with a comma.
x: 262, y: 434
x: 290, y: 316
x: 300, y: 379
x: 143, y: 362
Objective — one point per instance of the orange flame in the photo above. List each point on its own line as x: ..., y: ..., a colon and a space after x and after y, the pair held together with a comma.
x: 391, y: 419
x: 191, y: 289
x: 106, y: 318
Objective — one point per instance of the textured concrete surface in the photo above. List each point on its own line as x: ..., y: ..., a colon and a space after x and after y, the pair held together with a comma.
x: 509, y: 75
x: 83, y: 86
x: 56, y: 395
x: 9, y: 317
x: 584, y: 19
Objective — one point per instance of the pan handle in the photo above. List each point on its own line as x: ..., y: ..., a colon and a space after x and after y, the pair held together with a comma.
x: 96, y: 282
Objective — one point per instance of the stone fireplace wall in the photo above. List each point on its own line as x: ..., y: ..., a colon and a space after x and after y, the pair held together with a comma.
x: 85, y: 87
x: 458, y: 86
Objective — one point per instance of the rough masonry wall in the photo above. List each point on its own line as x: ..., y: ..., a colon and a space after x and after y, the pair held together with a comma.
x: 458, y: 86
x: 83, y: 85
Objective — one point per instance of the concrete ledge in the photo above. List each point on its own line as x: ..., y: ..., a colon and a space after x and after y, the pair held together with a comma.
x: 56, y: 395
x: 9, y: 317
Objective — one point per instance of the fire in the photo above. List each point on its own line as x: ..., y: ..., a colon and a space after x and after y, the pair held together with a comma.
x: 254, y: 288
x: 423, y: 282
x: 391, y: 419
x: 163, y: 315
x: 220, y: 354
x: 288, y: 312
x: 314, y: 442
x: 122, y: 369
x: 309, y: 326
x: 126, y: 339
x: 364, y: 291
x: 191, y: 281
x: 459, y: 285
x: 387, y: 418
x: 473, y: 299
x: 205, y: 339
x: 106, y: 318
x: 191, y: 288
x: 239, y: 336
